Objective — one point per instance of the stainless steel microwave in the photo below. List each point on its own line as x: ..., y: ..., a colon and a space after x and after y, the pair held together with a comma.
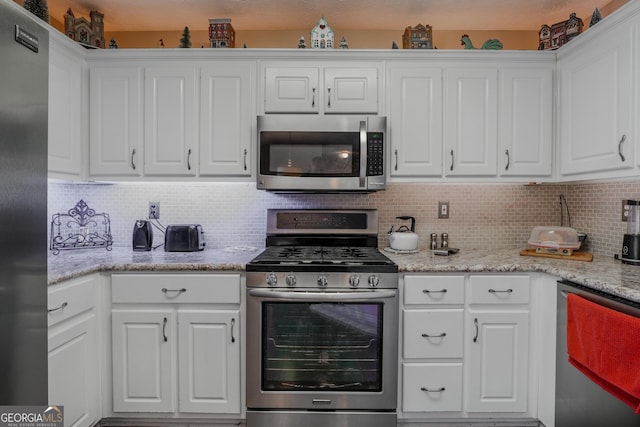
x: 323, y: 154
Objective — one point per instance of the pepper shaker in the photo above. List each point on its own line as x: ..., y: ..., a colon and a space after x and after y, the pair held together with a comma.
x: 445, y: 241
x: 434, y: 241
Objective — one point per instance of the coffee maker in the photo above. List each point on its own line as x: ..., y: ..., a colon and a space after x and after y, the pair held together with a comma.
x: 631, y: 240
x: 142, y: 235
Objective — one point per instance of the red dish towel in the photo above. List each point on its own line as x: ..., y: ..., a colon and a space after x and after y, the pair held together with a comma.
x: 605, y: 346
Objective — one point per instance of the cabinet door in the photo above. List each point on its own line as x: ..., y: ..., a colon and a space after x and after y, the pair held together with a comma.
x: 115, y: 121
x: 227, y: 117
x: 596, y: 105
x: 170, y: 121
x: 350, y: 90
x: 209, y: 355
x: 74, y: 371
x: 527, y: 115
x: 415, y: 120
x: 471, y: 121
x: 291, y: 90
x: 66, y: 71
x: 144, y: 342
x: 498, y: 354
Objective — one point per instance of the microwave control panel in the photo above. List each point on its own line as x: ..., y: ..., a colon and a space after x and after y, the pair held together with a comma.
x: 375, y: 154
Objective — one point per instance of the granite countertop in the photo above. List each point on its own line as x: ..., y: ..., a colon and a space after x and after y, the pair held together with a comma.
x: 603, y: 273
x: 76, y: 263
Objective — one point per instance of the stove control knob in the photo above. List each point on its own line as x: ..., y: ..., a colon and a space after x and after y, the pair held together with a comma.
x: 272, y: 280
x: 374, y: 281
x: 354, y: 281
x: 322, y: 281
x: 291, y: 280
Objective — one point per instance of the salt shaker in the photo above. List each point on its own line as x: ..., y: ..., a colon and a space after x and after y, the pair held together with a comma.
x: 434, y: 241
x: 445, y: 241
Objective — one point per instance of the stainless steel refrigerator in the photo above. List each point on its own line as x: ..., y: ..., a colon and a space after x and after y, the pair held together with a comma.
x: 24, y: 60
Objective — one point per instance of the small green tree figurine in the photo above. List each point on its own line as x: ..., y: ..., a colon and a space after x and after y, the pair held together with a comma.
x: 39, y: 8
x: 185, y: 41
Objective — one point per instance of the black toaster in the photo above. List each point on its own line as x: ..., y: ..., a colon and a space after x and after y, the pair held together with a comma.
x: 184, y: 238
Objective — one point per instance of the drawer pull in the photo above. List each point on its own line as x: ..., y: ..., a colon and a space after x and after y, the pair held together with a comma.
x: 63, y: 305
x: 177, y: 291
x: 427, y: 291
x: 442, y: 335
x: 494, y: 291
x: 164, y: 330
x: 432, y: 390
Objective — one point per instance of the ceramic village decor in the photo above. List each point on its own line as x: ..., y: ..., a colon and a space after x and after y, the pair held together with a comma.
x: 556, y: 35
x: 418, y: 37
x: 322, y: 36
x: 221, y: 33
x: 88, y: 33
x: 491, y: 44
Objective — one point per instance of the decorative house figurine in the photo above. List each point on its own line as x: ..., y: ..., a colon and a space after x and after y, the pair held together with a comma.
x: 553, y: 37
x: 343, y: 43
x: 322, y: 36
x: 418, y: 37
x: 221, y: 33
x: 301, y: 43
x: 113, y: 44
x: 88, y: 33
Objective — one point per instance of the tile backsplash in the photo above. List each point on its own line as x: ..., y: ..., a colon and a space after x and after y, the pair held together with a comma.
x: 490, y: 216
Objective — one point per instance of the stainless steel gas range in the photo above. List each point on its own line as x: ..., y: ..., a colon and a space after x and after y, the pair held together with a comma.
x: 322, y: 323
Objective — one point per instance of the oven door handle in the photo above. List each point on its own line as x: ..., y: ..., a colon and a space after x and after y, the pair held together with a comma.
x: 324, y: 296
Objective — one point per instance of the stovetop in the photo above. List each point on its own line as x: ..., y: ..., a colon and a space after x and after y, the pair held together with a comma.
x: 314, y: 255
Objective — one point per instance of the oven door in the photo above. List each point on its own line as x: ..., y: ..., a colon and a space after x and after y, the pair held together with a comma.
x: 322, y: 350
x: 321, y: 154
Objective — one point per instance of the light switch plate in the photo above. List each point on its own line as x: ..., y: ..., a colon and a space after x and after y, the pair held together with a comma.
x: 625, y: 210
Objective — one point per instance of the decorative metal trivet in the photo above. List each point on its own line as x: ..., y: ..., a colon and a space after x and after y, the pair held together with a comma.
x: 80, y: 228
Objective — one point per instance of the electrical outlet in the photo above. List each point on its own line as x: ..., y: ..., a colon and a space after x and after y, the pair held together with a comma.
x: 154, y: 210
x: 443, y: 210
x: 625, y: 210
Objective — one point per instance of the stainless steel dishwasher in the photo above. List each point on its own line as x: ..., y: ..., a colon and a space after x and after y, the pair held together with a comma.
x: 579, y: 401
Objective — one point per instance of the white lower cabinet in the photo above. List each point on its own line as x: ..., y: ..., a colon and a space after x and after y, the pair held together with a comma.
x: 176, y: 343
x: 465, y: 347
x: 498, y: 343
x: 74, y: 350
x: 432, y: 387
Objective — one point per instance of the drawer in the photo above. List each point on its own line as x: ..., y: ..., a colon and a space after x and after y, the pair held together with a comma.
x: 433, y: 290
x: 431, y: 387
x: 499, y: 289
x: 70, y: 298
x: 175, y: 288
x: 433, y: 333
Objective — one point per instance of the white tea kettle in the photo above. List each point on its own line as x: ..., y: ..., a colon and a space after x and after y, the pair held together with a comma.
x: 404, y: 238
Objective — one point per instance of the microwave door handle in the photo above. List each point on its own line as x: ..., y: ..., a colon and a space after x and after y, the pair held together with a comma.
x: 363, y: 153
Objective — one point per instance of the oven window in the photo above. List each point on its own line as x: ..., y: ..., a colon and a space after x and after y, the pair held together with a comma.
x: 322, y: 346
x: 313, y: 154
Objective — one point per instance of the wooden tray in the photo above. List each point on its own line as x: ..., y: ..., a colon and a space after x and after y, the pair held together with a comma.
x: 576, y: 256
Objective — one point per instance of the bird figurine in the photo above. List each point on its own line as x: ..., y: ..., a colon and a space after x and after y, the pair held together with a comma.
x: 493, y: 44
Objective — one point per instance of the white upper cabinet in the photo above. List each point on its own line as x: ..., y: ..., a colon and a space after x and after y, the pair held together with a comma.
x: 596, y: 103
x: 170, y: 120
x: 227, y: 117
x: 526, y: 127
x: 115, y: 121
x: 415, y: 119
x: 66, y: 86
x: 471, y: 121
x: 336, y: 89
